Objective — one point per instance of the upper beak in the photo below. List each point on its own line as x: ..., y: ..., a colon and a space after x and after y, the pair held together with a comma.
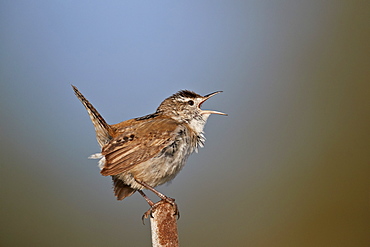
x: 209, y: 111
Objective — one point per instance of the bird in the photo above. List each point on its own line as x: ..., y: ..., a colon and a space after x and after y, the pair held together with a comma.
x: 145, y: 152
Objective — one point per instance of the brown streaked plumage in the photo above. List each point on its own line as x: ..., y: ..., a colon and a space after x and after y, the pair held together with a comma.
x: 148, y: 151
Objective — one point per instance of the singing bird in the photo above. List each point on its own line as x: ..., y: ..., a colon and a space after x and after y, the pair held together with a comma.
x: 148, y: 151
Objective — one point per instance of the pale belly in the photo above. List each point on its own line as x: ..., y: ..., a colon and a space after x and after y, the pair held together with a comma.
x: 160, y: 169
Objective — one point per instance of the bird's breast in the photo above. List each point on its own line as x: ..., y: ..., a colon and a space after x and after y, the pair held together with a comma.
x: 167, y: 164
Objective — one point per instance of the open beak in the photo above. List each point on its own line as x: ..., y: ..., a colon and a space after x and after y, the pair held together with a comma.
x: 209, y: 111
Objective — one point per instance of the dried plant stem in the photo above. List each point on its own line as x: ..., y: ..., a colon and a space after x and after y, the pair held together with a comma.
x: 164, y: 226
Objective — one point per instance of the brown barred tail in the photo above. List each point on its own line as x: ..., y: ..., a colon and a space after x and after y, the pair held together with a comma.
x: 102, y: 129
x: 121, y: 190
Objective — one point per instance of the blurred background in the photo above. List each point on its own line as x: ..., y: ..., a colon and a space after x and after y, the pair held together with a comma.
x: 289, y: 166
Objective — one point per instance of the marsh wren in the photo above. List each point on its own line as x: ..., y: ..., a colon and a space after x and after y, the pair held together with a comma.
x: 148, y: 151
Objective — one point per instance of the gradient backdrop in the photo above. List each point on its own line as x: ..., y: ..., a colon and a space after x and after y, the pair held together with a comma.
x: 289, y: 166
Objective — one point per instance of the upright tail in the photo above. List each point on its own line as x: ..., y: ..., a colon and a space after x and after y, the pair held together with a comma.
x: 102, y: 129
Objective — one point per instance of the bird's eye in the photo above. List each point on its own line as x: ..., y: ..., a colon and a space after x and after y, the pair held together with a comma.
x: 190, y: 102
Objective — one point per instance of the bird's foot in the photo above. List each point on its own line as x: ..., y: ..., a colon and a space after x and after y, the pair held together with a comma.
x: 157, y: 204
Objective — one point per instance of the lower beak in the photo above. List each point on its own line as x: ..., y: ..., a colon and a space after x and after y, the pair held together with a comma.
x: 213, y: 112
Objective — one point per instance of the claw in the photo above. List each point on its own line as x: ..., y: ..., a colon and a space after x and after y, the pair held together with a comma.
x: 173, y: 203
x: 155, y: 205
x: 146, y: 215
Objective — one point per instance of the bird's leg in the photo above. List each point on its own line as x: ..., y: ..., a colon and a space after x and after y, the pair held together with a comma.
x: 159, y: 194
x: 151, y: 204
x: 154, y: 205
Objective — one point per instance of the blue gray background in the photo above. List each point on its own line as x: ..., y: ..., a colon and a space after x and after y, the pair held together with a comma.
x: 289, y: 166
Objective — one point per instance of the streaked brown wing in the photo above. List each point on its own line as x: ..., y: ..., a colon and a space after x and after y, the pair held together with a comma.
x: 136, y: 144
